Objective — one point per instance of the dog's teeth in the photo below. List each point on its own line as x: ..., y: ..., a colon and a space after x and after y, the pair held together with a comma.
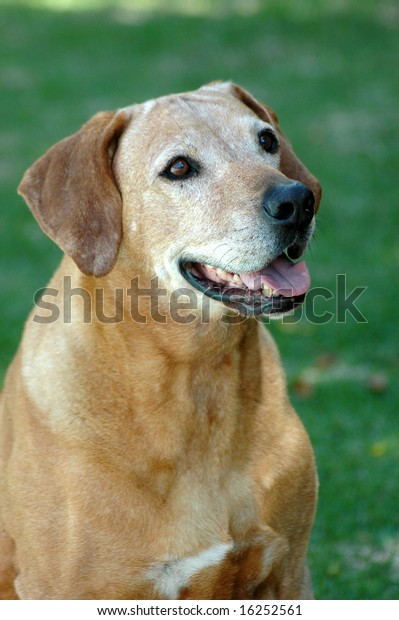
x: 266, y: 290
x: 222, y: 274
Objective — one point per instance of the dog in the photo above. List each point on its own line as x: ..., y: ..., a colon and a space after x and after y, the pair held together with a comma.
x: 148, y: 446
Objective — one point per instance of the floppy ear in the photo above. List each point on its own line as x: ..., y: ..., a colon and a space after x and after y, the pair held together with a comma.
x: 72, y: 193
x: 289, y: 163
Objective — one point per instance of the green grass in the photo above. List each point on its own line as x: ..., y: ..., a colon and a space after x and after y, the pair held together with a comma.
x: 329, y: 71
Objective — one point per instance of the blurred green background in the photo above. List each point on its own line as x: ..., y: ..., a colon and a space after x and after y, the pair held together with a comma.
x: 329, y: 68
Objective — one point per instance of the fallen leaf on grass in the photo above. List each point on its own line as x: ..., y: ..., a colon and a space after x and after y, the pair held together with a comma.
x: 378, y: 382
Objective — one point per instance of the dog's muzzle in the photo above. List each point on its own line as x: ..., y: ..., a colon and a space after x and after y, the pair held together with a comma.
x: 281, y: 285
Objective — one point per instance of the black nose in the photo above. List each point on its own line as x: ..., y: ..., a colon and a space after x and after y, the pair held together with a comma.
x: 289, y: 204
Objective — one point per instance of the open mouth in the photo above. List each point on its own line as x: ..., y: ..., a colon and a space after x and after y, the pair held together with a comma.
x: 277, y: 288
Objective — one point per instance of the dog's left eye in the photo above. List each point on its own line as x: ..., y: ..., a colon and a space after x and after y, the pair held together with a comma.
x: 268, y: 141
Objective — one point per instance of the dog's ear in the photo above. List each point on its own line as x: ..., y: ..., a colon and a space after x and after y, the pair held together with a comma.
x: 73, y: 194
x: 290, y: 165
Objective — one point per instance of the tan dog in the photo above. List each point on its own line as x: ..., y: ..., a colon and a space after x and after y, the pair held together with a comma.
x: 148, y: 448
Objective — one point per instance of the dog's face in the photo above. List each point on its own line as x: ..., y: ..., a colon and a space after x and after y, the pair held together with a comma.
x: 212, y: 197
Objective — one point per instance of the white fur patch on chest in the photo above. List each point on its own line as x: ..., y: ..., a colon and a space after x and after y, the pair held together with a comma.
x: 172, y: 576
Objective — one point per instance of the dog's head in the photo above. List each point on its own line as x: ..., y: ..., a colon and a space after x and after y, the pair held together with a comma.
x: 201, y: 189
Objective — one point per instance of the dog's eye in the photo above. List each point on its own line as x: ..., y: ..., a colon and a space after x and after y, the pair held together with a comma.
x: 179, y: 169
x: 268, y: 141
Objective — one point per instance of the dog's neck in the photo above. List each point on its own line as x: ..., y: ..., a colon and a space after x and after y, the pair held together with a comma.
x: 188, y: 329
x: 163, y: 398
x: 180, y: 376
x: 147, y: 348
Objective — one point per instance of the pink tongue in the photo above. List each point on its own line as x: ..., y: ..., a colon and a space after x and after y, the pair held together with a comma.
x: 287, y: 278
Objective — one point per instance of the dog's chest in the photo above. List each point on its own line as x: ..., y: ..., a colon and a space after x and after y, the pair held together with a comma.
x: 232, y: 570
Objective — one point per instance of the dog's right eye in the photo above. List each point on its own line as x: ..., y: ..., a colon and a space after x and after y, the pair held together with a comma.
x: 179, y: 169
